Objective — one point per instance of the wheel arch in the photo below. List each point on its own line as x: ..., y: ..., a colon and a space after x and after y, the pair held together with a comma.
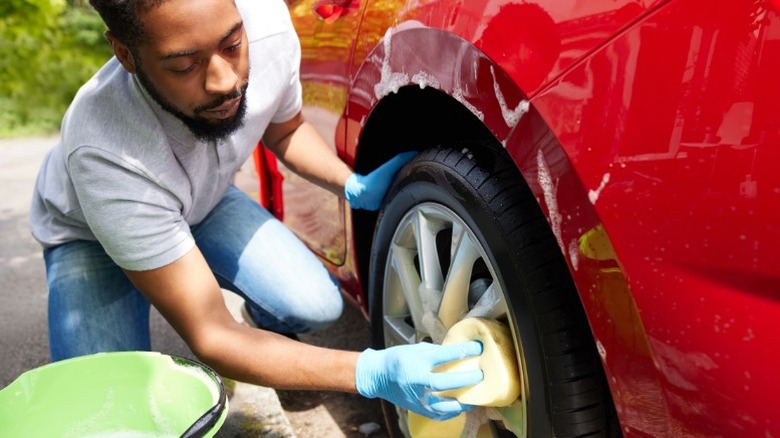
x: 415, y: 89
x: 422, y: 87
x: 450, y: 123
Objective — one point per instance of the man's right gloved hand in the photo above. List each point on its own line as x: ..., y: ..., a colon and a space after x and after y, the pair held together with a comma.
x: 367, y: 191
x: 403, y: 376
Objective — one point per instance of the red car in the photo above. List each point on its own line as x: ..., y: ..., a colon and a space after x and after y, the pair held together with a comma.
x: 596, y: 174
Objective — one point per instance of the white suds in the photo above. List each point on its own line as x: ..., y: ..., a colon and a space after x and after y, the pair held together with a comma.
x: 549, y: 188
x: 593, y: 195
x: 389, y: 81
x: 511, y: 116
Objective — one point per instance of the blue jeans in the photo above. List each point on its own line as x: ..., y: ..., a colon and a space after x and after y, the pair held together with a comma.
x: 93, y: 306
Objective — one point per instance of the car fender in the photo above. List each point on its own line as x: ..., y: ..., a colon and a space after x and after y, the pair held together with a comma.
x: 413, y: 54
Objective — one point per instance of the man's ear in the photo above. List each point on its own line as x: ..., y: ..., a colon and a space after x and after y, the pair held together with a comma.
x: 121, y: 51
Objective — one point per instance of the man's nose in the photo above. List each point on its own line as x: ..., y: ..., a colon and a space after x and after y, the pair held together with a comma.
x: 220, y: 76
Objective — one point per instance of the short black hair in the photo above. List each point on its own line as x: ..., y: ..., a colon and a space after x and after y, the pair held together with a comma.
x: 123, y: 18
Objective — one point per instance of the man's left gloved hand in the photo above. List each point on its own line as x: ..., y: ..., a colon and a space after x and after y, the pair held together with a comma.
x: 367, y: 191
x: 404, y: 375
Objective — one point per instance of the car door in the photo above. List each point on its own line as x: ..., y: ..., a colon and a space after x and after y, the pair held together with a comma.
x: 326, y: 29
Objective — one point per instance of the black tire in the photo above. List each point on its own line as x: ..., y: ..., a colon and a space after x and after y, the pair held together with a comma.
x: 565, y: 390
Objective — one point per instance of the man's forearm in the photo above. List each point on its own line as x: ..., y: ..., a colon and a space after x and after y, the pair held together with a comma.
x: 188, y: 296
x: 268, y: 359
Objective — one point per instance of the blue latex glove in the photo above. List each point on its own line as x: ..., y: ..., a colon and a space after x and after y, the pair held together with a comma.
x: 367, y: 191
x: 402, y: 375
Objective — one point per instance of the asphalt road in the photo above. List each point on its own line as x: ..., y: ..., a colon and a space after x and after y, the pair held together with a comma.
x: 24, y: 340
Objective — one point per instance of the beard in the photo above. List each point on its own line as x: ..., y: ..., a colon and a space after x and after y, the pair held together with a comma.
x: 202, y: 129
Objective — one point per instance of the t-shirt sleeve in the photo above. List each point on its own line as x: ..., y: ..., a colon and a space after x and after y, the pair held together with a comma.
x: 138, y: 222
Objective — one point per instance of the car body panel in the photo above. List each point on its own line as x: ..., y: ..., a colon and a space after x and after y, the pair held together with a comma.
x: 650, y: 143
x: 673, y: 130
x: 551, y: 35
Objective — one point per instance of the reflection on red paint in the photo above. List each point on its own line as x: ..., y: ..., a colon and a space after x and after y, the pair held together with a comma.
x: 332, y: 10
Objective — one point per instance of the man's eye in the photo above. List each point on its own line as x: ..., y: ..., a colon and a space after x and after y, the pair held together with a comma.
x: 184, y: 71
x: 234, y: 47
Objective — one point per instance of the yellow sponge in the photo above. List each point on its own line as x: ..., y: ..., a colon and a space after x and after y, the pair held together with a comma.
x: 424, y: 427
x: 501, y: 385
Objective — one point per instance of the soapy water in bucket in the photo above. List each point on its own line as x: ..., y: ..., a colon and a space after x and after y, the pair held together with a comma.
x: 121, y: 394
x: 165, y: 427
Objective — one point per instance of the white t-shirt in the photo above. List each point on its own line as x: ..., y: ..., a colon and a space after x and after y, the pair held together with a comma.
x: 131, y: 175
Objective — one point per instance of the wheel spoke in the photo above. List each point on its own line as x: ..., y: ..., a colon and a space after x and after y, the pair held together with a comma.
x: 458, y: 231
x: 513, y: 417
x: 425, y: 235
x: 409, y: 282
x: 398, y: 332
x: 454, y: 303
x: 490, y: 304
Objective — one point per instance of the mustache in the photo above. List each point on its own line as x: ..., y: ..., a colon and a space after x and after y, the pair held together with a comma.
x: 220, y: 100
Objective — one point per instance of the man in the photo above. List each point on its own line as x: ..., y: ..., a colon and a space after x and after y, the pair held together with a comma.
x: 135, y: 206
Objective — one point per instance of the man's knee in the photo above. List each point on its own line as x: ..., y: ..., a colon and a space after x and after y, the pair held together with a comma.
x: 323, y: 311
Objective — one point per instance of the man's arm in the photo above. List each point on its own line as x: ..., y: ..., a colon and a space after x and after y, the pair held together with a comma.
x: 300, y: 147
x: 188, y: 296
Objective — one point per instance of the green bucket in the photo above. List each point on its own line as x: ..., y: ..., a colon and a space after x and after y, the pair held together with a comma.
x: 120, y: 394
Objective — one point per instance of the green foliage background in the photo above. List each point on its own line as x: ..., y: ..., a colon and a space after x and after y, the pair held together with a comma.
x: 48, y: 49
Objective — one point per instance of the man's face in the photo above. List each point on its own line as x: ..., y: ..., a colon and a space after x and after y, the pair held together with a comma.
x: 194, y: 62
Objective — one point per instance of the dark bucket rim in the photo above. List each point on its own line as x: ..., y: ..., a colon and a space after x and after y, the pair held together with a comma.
x: 206, y: 422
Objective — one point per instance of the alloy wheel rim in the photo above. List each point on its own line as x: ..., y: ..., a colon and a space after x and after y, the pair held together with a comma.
x: 437, y: 273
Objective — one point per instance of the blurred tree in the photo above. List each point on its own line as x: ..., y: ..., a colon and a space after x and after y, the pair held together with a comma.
x: 48, y: 49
